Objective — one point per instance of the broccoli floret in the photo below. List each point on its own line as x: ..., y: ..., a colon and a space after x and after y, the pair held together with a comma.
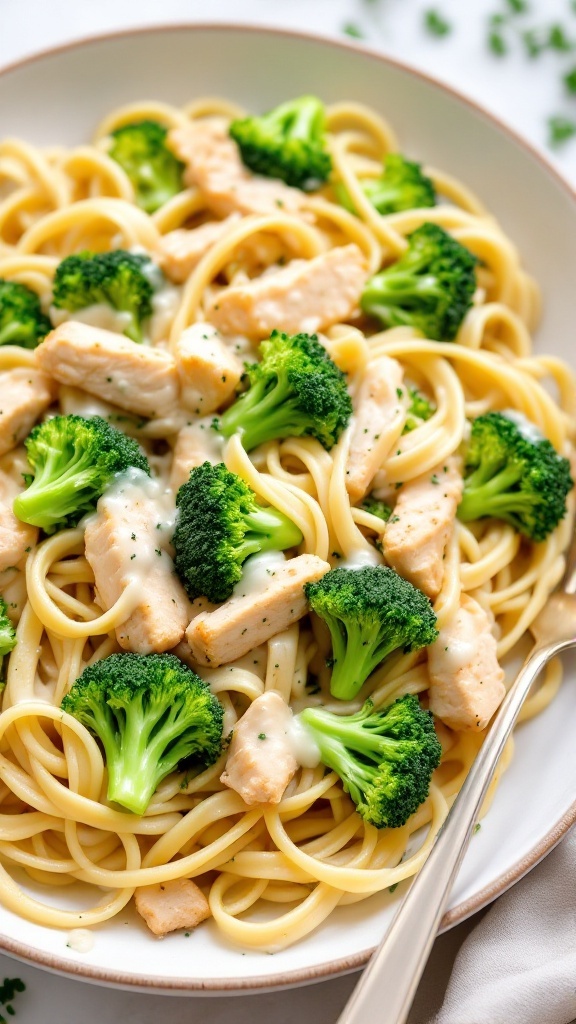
x: 219, y: 525
x: 125, y: 281
x: 377, y: 508
x: 370, y: 613
x: 140, y: 149
x: 430, y: 287
x: 7, y: 638
x: 515, y: 474
x: 287, y: 142
x: 74, y: 459
x: 22, y: 321
x: 150, y: 711
x: 384, y: 758
x: 296, y: 389
x: 419, y: 410
x: 401, y: 186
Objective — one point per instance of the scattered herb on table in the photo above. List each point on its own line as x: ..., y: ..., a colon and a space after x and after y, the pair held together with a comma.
x: 8, y: 990
x: 436, y: 23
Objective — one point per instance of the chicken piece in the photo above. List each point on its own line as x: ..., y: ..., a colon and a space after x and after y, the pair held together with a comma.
x: 134, y: 377
x: 214, y: 165
x: 306, y: 295
x: 171, y: 905
x: 180, y: 251
x: 24, y: 395
x: 16, y: 537
x: 208, y: 370
x: 123, y: 543
x: 417, y: 533
x: 195, y: 444
x: 260, y: 760
x: 379, y: 416
x: 466, y: 681
x: 248, y: 620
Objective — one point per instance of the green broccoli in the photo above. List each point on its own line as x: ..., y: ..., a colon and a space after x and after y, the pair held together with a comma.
x: 296, y: 389
x: 219, y: 525
x: 377, y: 508
x: 125, y: 281
x: 150, y: 712
x: 385, y: 757
x: 514, y: 473
x: 140, y: 149
x: 7, y: 638
x: 22, y: 321
x: 287, y: 142
x: 74, y: 460
x: 430, y: 287
x: 419, y: 410
x: 401, y: 186
x: 370, y: 613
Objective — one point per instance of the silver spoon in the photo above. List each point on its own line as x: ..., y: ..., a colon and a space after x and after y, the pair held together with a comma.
x: 387, y: 987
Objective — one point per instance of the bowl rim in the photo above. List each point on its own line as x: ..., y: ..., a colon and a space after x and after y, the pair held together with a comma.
x: 456, y: 915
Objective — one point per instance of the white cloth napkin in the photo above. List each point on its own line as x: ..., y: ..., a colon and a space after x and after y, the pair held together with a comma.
x: 518, y: 965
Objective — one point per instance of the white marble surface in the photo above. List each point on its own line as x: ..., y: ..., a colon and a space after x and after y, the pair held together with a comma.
x: 520, y: 91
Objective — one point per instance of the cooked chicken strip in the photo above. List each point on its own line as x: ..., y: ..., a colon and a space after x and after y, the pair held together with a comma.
x: 138, y: 378
x: 379, y: 416
x: 214, y: 165
x: 16, y: 538
x: 195, y: 444
x: 417, y: 533
x: 123, y: 542
x: 260, y: 760
x: 25, y: 394
x: 208, y: 370
x: 306, y: 295
x: 171, y: 905
x: 180, y: 251
x: 248, y: 620
x: 466, y: 681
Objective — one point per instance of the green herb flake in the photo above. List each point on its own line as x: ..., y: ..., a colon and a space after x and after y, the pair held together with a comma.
x: 262, y: 736
x: 353, y: 30
x: 569, y: 80
x: 560, y: 130
x: 497, y: 44
x: 436, y: 24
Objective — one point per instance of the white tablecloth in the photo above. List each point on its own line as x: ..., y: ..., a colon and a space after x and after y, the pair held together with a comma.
x: 524, y: 93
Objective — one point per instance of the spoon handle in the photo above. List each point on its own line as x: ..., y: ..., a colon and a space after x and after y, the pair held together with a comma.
x: 386, y: 989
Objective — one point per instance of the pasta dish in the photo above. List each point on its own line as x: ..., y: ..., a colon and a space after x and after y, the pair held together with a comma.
x: 282, y: 488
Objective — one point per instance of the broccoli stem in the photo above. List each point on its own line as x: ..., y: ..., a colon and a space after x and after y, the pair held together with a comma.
x: 401, y: 287
x: 269, y: 530
x: 16, y: 332
x: 138, y: 763
x: 263, y: 414
x: 486, y: 494
x: 355, y: 654
x: 54, y: 493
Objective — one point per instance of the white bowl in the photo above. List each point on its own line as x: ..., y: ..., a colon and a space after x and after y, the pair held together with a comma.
x: 58, y: 98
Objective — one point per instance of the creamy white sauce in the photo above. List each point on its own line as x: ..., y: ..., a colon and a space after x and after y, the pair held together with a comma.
x: 165, y: 303
x: 98, y: 315
x: 304, y: 748
x: 527, y: 428
x: 145, y: 537
x: 257, y: 572
x: 80, y: 940
x: 75, y: 402
x: 360, y: 558
x: 457, y: 646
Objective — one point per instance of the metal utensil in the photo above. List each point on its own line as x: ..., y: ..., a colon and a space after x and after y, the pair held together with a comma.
x: 386, y: 989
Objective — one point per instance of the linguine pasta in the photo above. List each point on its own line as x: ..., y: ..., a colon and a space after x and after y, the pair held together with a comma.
x: 272, y: 873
